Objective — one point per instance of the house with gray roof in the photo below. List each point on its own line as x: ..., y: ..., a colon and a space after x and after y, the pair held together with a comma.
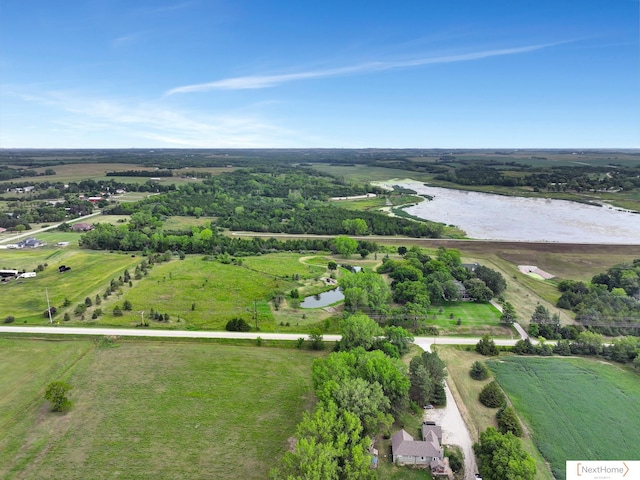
x: 407, y: 451
x: 427, y: 452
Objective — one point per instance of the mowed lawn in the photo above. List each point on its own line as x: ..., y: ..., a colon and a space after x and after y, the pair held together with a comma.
x: 475, y: 318
x: 154, y: 410
x: 576, y: 409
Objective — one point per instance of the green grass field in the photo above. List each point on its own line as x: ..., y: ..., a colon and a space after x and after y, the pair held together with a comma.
x: 473, y: 316
x: 219, y: 292
x: 575, y: 409
x: 149, y: 410
x: 90, y: 273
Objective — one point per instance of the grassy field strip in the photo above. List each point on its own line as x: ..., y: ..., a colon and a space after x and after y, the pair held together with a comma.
x: 466, y: 391
x: 90, y: 274
x: 569, y: 403
x: 160, y: 410
x: 33, y: 365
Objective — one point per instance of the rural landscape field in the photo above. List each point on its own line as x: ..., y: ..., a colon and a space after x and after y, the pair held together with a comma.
x: 255, y: 251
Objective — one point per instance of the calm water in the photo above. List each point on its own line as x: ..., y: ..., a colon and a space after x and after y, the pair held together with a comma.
x: 323, y: 299
x: 497, y: 217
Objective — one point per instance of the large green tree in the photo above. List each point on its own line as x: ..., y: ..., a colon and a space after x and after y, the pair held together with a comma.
x: 359, y: 331
x: 345, y: 246
x: 427, y: 373
x: 501, y: 457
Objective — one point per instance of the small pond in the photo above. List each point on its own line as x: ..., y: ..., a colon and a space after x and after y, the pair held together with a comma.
x: 323, y: 299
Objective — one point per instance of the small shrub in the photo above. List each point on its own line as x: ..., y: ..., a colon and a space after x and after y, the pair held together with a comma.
x: 9, y: 319
x: 479, y: 371
x: 299, y: 342
x: 487, y: 347
x: 456, y: 461
x: 492, y: 396
x: 237, y: 325
x: 508, y: 421
x: 259, y: 341
x: 56, y: 394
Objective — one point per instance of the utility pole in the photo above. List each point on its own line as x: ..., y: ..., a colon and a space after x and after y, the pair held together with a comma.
x: 255, y: 312
x: 46, y: 291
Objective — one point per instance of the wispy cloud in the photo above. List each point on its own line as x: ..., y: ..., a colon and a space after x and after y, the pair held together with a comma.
x: 164, y: 8
x: 265, y: 81
x: 126, y: 40
x: 132, y: 121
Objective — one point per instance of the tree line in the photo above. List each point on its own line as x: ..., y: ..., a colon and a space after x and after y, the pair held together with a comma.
x: 609, y: 304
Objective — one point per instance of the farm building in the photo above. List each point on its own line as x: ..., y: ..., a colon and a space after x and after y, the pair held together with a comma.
x: 81, y: 227
x: 8, y: 273
x: 2, y: 230
x: 30, y: 242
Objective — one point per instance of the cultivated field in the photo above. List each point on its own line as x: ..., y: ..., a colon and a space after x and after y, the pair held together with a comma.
x: 568, y: 404
x: 150, y: 410
x: 466, y: 391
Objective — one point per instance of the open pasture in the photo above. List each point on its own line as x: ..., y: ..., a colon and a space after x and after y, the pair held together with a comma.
x: 206, y: 294
x: 184, y: 223
x: 567, y: 404
x: 90, y: 273
x: 151, y: 410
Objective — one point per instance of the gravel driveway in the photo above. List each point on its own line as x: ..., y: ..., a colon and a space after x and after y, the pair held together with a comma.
x: 454, y: 431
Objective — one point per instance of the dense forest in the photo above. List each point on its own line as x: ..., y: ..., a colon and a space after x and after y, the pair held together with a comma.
x: 281, y: 200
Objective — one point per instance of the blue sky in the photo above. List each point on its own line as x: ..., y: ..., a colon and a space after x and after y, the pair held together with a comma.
x: 352, y: 74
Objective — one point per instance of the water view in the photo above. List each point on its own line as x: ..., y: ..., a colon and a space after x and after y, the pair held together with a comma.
x: 323, y: 299
x: 498, y: 217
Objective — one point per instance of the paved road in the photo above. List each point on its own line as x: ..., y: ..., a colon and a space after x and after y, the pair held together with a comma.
x: 31, y: 233
x: 424, y: 342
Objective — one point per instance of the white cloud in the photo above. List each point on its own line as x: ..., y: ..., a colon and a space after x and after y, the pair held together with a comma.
x: 265, y: 81
x: 131, y: 123
x: 126, y: 40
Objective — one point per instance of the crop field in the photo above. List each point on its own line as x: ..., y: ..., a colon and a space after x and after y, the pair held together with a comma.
x: 75, y: 172
x: 150, y: 410
x: 567, y: 404
x: 90, y: 273
x: 466, y: 390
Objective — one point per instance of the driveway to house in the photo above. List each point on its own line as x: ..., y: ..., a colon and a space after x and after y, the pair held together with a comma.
x: 454, y: 430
